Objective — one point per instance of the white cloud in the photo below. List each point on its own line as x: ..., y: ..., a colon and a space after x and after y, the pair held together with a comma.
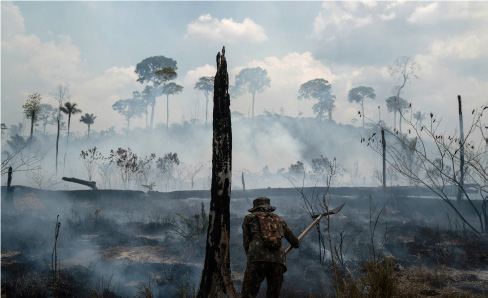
x: 34, y: 65
x: 99, y: 94
x: 424, y: 14
x: 387, y: 17
x: 286, y: 74
x: 342, y: 15
x: 353, y: 5
x: 114, y: 78
x: 467, y: 10
x: 208, y: 29
x: 469, y: 45
x: 12, y: 20
x: 192, y: 76
x: 394, y: 4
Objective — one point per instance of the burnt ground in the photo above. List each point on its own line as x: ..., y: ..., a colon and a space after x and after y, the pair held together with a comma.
x: 128, y: 243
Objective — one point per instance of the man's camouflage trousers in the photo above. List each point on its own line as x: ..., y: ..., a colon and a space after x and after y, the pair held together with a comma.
x: 256, y: 272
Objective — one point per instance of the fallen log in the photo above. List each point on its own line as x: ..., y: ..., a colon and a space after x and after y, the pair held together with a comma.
x: 91, y: 184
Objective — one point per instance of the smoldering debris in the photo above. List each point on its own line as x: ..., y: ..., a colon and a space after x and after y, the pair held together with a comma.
x: 124, y: 243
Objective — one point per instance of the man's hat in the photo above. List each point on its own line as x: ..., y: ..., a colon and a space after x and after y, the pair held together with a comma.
x: 261, y: 202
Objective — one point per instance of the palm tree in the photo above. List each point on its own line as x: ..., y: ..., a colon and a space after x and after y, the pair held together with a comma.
x: 69, y: 109
x: 88, y: 119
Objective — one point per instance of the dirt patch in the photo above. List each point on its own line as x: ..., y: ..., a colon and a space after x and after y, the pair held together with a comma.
x: 442, y: 281
x: 9, y: 257
x: 30, y: 201
x: 145, y: 254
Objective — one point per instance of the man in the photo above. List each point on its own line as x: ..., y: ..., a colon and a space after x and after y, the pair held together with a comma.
x: 262, y: 232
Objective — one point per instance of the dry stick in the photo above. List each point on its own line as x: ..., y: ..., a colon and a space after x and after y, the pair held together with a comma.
x: 461, y: 166
x: 55, y: 254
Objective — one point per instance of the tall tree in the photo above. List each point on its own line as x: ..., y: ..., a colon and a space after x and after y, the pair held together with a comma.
x: 206, y: 84
x: 31, y: 109
x: 88, y: 119
x: 149, y: 100
x: 419, y: 116
x: 70, y: 109
x: 319, y: 89
x: 397, y: 105
x: 61, y: 94
x: 146, y: 70
x: 53, y: 119
x: 252, y: 80
x: 44, y: 115
x: 129, y: 108
x: 170, y: 89
x: 402, y: 70
x: 216, y: 279
x: 359, y: 94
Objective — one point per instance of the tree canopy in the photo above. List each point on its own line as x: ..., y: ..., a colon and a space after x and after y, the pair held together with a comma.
x: 402, y: 70
x: 154, y: 71
x: 129, y: 108
x: 32, y: 106
x: 252, y: 80
x: 44, y: 114
x: 31, y: 109
x: 206, y: 84
x: 170, y: 89
x: 164, y: 75
x: 395, y: 105
x: 359, y: 94
x: 88, y: 119
x: 146, y: 69
x: 70, y: 109
x: 319, y: 89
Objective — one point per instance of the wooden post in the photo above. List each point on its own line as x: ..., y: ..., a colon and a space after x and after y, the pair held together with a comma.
x: 461, y: 152
x: 485, y: 199
x: 383, y: 144
x: 216, y: 279
x: 10, y: 190
x: 243, y: 183
x: 57, y: 141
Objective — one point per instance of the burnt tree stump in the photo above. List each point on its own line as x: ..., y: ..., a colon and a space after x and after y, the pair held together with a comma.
x: 216, y: 279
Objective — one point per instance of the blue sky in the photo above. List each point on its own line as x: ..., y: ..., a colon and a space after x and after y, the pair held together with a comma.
x: 94, y: 47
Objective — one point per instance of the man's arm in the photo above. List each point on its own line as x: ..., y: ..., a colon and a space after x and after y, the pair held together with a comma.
x: 290, y: 236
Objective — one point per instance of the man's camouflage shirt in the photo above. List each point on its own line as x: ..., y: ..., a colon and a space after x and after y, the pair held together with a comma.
x: 253, y: 241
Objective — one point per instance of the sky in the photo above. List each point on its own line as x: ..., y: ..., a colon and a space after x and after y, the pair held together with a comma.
x: 94, y: 47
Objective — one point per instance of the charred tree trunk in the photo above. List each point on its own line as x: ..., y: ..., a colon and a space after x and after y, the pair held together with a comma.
x: 216, y: 278
x: 10, y: 189
x: 485, y: 193
x: 33, y: 118
x: 383, y: 144
x: 91, y: 184
x: 57, y: 146
x: 461, y: 152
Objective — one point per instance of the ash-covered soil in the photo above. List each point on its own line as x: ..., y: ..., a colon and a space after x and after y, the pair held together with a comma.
x: 116, y: 243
